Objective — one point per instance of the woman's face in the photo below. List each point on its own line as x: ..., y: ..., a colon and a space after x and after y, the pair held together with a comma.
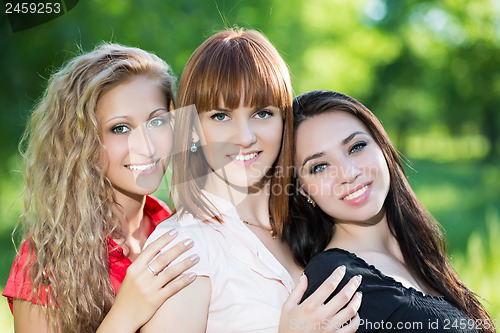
x: 136, y: 135
x: 242, y: 144
x: 341, y: 166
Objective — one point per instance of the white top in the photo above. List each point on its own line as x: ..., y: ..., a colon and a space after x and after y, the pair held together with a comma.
x: 249, y: 285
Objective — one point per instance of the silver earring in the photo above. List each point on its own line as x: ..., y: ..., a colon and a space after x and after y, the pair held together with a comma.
x: 193, y: 148
x: 311, y: 201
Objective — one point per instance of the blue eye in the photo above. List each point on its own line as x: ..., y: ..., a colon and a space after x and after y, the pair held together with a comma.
x: 317, y: 168
x: 219, y: 117
x: 156, y: 122
x: 357, y: 147
x: 263, y: 114
x: 120, y: 129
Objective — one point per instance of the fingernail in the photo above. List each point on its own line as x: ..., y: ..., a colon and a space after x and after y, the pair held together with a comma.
x: 342, y: 268
x: 360, y: 293
x: 188, y: 242
x: 359, y: 278
x: 172, y: 232
x: 191, y: 276
x: 194, y: 258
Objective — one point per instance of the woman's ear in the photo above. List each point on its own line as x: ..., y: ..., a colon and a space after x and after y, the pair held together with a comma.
x: 195, y: 137
x: 306, y: 195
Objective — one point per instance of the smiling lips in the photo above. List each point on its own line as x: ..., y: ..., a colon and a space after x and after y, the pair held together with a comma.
x: 358, y: 196
x: 245, y: 158
x: 141, y: 167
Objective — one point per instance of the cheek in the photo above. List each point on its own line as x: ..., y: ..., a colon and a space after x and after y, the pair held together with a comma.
x: 163, y: 141
x: 103, y: 159
x: 115, y: 151
x: 216, y: 140
x: 383, y: 169
x: 319, y: 189
x: 272, y: 134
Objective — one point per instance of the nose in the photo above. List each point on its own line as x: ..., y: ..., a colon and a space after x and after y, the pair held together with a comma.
x: 245, y: 134
x: 348, y: 171
x: 140, y: 142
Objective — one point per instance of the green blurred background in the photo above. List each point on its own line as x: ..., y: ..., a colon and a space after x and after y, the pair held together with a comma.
x: 430, y: 70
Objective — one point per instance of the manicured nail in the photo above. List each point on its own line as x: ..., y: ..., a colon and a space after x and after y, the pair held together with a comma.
x: 194, y: 258
x: 359, y: 278
x: 360, y: 293
x: 191, y: 276
x: 172, y: 232
x: 342, y: 268
x: 188, y: 242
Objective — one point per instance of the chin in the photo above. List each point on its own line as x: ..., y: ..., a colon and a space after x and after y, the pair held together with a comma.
x: 146, y: 187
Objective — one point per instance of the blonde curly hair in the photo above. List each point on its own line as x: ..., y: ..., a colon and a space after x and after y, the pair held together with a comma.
x: 70, y: 208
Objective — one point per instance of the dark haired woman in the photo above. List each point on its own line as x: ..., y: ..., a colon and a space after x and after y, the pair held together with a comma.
x: 354, y: 199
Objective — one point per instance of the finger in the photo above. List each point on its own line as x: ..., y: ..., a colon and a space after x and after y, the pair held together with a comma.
x: 165, y: 258
x: 349, y: 311
x: 327, y: 287
x: 174, y: 286
x: 172, y: 272
x: 352, y: 326
x: 297, y: 293
x: 343, y: 296
x: 154, y: 247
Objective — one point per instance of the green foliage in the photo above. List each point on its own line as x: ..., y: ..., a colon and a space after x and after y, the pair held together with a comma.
x: 458, y: 194
x: 479, y: 266
x: 428, y: 69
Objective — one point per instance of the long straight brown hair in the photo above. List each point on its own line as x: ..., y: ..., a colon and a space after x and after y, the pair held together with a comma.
x: 230, y: 66
x: 418, y: 234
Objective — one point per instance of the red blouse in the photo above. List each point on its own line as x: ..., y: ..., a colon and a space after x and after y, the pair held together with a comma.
x: 18, y: 284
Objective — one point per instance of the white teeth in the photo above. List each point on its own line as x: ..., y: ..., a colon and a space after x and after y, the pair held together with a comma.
x: 141, y: 167
x: 244, y: 157
x: 356, y: 194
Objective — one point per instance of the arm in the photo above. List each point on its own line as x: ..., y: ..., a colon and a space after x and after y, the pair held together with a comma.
x: 142, y: 292
x: 312, y: 312
x: 29, y: 317
x: 187, y: 311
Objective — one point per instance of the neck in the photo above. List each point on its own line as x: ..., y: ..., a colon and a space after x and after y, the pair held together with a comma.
x: 252, y: 204
x: 131, y: 213
x: 372, y: 235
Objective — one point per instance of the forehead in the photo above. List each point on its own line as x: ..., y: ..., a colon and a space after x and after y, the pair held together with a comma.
x: 329, y: 128
x: 131, y: 98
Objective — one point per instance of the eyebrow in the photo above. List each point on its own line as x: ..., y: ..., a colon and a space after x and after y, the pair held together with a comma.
x: 321, y: 154
x: 350, y: 137
x: 312, y: 157
x: 127, y: 117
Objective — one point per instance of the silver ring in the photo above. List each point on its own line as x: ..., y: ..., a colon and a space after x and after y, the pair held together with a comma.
x: 151, y: 270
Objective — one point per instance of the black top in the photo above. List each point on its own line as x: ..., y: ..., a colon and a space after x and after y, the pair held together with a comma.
x: 387, y: 305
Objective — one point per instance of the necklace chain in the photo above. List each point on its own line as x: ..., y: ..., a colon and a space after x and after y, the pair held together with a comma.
x: 271, y: 231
